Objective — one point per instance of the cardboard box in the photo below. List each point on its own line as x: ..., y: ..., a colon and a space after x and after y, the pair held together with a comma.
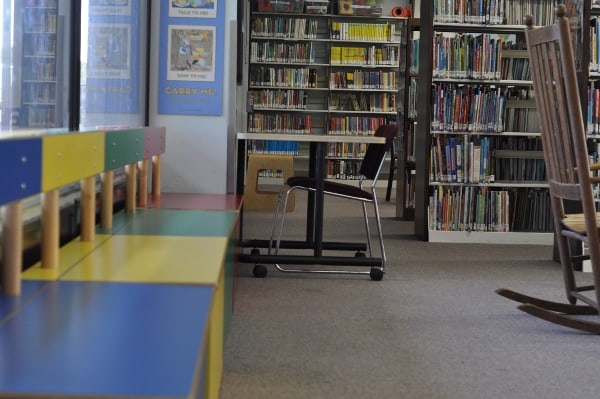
x: 292, y: 6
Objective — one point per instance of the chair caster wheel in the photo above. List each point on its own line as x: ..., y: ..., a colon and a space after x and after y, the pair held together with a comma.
x: 255, y: 251
x: 359, y: 254
x: 376, y: 274
x: 259, y: 271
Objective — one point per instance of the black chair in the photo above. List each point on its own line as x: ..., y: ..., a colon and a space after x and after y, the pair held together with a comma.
x: 370, y: 169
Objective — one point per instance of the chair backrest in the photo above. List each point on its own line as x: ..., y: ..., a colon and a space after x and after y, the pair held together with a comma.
x: 375, y: 154
x: 558, y: 103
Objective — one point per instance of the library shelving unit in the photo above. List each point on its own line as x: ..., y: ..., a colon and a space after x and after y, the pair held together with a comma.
x: 312, y: 71
x: 480, y: 174
x: 405, y: 203
x: 40, y: 87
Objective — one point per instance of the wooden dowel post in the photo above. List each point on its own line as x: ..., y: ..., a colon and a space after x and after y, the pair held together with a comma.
x: 143, y: 183
x: 88, y: 209
x: 12, y: 248
x: 106, y: 205
x: 156, y: 170
x: 131, y: 174
x: 50, y: 229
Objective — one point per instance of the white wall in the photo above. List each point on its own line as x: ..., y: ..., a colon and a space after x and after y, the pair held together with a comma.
x: 196, y: 158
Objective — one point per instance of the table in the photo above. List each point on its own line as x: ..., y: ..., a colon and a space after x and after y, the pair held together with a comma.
x: 314, y: 217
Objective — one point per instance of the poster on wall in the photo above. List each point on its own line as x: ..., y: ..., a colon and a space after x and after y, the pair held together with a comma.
x: 191, y: 57
x: 193, y: 8
x: 110, y: 64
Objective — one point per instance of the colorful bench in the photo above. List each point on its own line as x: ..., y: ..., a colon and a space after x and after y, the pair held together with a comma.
x: 175, y: 245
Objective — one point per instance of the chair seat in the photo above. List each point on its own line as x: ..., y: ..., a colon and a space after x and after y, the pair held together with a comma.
x: 576, y: 222
x: 330, y: 187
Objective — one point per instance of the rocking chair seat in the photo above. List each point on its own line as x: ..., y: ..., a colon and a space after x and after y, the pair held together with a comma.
x: 576, y: 222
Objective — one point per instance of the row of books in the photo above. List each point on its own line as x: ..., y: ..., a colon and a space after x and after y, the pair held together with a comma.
x: 413, y: 68
x: 284, y: 27
x: 520, y: 169
x: 485, y: 209
x: 273, y: 147
x: 40, y: 93
x: 41, y: 3
x: 37, y: 21
x: 279, y: 98
x: 371, y: 55
x: 372, y: 32
x: 493, y: 12
x: 470, y: 159
x: 521, y: 119
x: 468, y: 11
x: 371, y: 102
x: 282, y: 52
x: 469, y: 209
x: 356, y: 125
x: 470, y: 108
x: 542, y: 11
x: 40, y: 45
x: 346, y: 150
x: 343, y: 169
x: 280, y: 123
x: 284, y: 77
x: 40, y: 117
x: 532, y: 211
x: 593, y: 109
x: 453, y: 160
x: 40, y: 70
x: 467, y: 56
x: 359, y: 79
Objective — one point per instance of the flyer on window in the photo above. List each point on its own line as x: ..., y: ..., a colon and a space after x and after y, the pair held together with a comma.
x: 110, y: 62
x: 191, y: 57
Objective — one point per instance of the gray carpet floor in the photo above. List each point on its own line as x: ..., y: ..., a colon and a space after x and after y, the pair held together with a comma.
x: 433, y: 328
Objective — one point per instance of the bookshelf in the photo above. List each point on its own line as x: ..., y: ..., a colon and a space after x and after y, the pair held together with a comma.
x: 315, y: 72
x: 40, y: 86
x: 479, y: 165
x: 405, y: 203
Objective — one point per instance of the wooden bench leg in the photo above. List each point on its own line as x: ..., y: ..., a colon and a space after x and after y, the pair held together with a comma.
x: 106, y: 213
x: 88, y: 209
x: 143, y: 184
x: 50, y: 229
x: 131, y: 177
x: 12, y: 248
x: 156, y: 171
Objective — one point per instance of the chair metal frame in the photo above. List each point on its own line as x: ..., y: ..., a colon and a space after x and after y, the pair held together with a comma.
x: 370, y: 170
x: 564, y: 144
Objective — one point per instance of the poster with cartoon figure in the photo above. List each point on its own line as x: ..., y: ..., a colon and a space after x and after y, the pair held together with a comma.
x: 193, y: 8
x: 191, y: 57
x: 191, y: 53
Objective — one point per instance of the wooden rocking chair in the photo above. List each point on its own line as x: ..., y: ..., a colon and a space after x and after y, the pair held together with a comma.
x: 568, y: 170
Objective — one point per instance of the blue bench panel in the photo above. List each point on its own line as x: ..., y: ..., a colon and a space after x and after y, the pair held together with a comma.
x: 107, y: 340
x: 21, y: 163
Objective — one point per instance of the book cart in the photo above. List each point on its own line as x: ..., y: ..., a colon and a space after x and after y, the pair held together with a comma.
x: 479, y: 162
x: 319, y: 68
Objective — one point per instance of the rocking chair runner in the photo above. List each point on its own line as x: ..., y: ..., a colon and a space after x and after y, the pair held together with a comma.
x: 565, y: 152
